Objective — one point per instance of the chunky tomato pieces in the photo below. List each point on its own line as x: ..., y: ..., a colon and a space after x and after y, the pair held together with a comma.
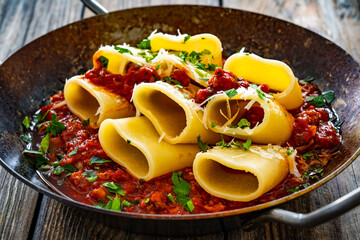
x: 122, y: 85
x: 221, y: 81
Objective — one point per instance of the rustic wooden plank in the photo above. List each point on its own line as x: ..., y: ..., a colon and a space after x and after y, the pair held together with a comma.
x: 338, y: 21
x: 20, y: 22
x: 117, y: 5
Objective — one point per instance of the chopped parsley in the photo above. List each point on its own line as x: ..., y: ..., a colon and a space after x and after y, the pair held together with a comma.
x: 58, y: 170
x: 213, y: 124
x: 202, y: 146
x: 171, y: 198
x: 54, y: 126
x: 338, y: 124
x: 259, y: 92
x: 182, y: 189
x: 128, y: 141
x: 36, y: 158
x: 144, y: 44
x: 114, y: 188
x: 40, y: 117
x: 222, y: 143
x: 26, y: 138
x: 103, y: 61
x: 186, y: 38
x: 146, y: 200
x: 246, y: 145
x: 114, y: 204
x: 148, y: 55
x: 306, y: 80
x: 122, y: 50
x: 85, y: 122
x: 290, y: 151
x: 73, y: 152
x: 243, y: 123
x: 157, y: 66
x: 173, y: 81
x: 69, y: 167
x: 126, y: 203
x: 90, y: 176
x: 321, y: 100
x: 204, y: 79
x: 306, y: 156
x: 231, y: 93
x: 26, y: 122
x: 98, y: 160
x: 45, y: 143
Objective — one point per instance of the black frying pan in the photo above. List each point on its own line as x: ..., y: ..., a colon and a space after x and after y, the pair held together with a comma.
x: 40, y: 68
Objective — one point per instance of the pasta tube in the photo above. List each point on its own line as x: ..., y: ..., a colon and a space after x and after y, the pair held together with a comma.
x: 223, y: 115
x: 115, y: 61
x: 276, y: 74
x: 177, y: 119
x: 89, y: 101
x: 197, y: 43
x: 134, y: 144
x: 239, y: 175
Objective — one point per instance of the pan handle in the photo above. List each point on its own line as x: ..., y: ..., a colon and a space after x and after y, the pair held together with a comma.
x: 95, y: 7
x: 319, y: 216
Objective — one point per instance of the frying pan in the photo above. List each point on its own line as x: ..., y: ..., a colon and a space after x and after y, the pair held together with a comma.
x: 39, y: 69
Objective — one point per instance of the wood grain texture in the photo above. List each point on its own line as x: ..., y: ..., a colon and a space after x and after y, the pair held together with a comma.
x: 22, y: 20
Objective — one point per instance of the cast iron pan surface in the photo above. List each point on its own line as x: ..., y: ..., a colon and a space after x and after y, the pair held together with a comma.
x: 39, y: 69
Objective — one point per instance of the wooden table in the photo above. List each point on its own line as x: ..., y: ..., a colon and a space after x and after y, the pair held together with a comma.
x: 24, y: 213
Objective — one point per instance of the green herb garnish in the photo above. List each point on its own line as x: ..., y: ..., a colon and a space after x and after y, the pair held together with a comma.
x: 144, y: 44
x: 182, y: 189
x: 103, y: 61
x: 90, y: 176
x: 126, y: 203
x: 222, y: 143
x: 243, y: 123
x: 73, y: 152
x: 98, y: 160
x: 202, y: 146
x: 122, y: 50
x: 321, y: 100
x: 114, y: 188
x: 186, y: 38
x: 231, y: 93
x: 85, y: 122
x: 26, y: 122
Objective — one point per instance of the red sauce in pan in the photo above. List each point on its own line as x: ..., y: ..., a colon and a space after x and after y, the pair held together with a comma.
x: 312, y: 133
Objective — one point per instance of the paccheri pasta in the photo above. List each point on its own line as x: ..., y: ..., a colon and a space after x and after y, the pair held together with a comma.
x: 164, y: 128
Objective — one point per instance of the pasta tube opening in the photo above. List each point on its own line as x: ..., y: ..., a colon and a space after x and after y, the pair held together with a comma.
x: 170, y: 116
x: 233, y: 181
x: 87, y: 106
x: 241, y: 175
x: 131, y: 156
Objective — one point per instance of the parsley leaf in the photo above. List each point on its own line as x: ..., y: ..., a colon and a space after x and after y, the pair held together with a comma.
x: 202, y: 146
x: 90, y: 176
x: 144, y: 44
x: 73, y: 152
x: 306, y: 156
x: 321, y: 100
x: 54, y: 126
x: 182, y: 189
x: 290, y: 151
x: 246, y: 145
x: 338, y: 124
x: 25, y: 137
x: 307, y: 80
x: 98, y: 160
x: 26, y: 122
x: 213, y: 124
x: 186, y: 38
x: 222, y: 143
x: 45, y: 143
x: 231, y: 93
x: 122, y: 50
x: 114, y: 188
x: 243, y: 123
x: 103, y: 61
x: 69, y: 167
x: 85, y: 122
x: 126, y: 203
x: 171, y: 198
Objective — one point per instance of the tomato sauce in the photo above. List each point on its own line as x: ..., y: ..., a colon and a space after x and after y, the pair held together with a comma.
x: 313, y: 133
